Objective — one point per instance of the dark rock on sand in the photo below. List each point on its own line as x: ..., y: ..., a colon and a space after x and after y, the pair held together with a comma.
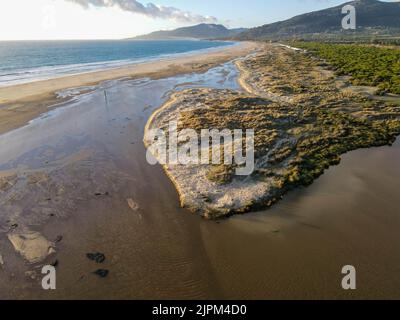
x: 102, y: 273
x: 14, y: 226
x: 97, y: 257
x: 97, y: 194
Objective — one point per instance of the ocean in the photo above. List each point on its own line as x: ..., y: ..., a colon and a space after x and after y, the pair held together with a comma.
x: 27, y: 61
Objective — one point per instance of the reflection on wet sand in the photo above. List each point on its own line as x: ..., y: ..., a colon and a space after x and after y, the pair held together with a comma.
x: 79, y: 178
x: 297, y: 248
x: 86, y: 161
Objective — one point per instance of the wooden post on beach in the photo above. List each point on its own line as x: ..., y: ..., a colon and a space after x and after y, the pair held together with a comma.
x: 106, y: 98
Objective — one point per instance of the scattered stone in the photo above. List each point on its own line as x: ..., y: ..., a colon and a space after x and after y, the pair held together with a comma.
x: 32, y: 246
x: 97, y: 194
x: 31, y: 275
x: 97, y: 257
x: 1, y: 261
x: 102, y: 273
x: 14, y: 226
x: 132, y: 204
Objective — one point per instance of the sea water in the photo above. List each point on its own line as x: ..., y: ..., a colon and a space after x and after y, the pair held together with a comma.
x: 26, y: 61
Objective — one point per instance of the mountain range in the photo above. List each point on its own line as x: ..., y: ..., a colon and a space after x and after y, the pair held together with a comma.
x: 372, y: 17
x: 201, y: 31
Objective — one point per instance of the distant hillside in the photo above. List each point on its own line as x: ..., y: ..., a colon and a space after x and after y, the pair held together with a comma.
x: 373, y: 17
x: 201, y: 31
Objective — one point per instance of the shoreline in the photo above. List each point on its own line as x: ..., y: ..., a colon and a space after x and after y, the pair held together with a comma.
x: 106, y: 65
x: 23, y: 102
x: 93, y: 166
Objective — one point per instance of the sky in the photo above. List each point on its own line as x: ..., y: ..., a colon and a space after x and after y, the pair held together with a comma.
x: 116, y: 19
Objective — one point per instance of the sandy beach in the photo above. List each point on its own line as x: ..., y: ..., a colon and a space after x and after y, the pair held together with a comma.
x: 88, y: 152
x: 76, y: 181
x: 21, y: 103
x: 199, y: 158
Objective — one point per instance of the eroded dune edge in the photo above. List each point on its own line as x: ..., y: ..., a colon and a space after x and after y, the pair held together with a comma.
x: 303, y: 116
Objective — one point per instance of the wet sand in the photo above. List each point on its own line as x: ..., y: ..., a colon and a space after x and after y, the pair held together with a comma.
x: 349, y: 216
x: 160, y: 251
x: 91, y: 147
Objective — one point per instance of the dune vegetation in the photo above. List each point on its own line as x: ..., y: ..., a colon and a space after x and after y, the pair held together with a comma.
x: 367, y: 65
x: 304, y: 120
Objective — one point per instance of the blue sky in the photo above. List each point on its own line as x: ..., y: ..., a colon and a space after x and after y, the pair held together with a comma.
x: 71, y: 19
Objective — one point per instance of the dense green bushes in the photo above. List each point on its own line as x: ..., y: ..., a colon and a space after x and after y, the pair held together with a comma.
x: 367, y: 65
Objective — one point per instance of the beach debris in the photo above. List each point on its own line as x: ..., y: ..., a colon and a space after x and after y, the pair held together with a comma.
x: 1, y: 261
x: 31, y: 245
x: 97, y: 257
x: 98, y: 194
x: 81, y: 277
x: 31, y: 275
x: 58, y: 238
x: 132, y: 204
x: 102, y: 273
x: 14, y: 226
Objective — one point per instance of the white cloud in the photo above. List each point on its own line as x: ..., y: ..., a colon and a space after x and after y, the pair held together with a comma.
x: 149, y: 10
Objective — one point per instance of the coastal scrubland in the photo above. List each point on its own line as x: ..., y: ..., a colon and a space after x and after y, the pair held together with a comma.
x: 367, y: 65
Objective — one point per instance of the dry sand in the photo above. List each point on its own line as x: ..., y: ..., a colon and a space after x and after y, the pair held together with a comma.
x: 21, y: 103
